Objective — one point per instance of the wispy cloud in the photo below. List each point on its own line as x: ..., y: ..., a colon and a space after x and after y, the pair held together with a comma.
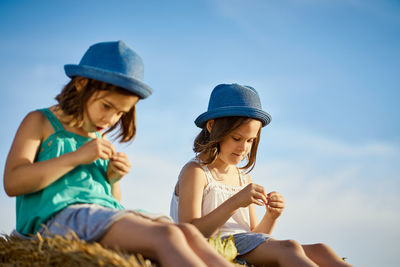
x: 309, y: 142
x: 331, y: 209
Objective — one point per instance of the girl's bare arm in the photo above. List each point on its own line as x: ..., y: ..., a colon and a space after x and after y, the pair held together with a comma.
x: 274, y: 208
x: 192, y: 182
x: 22, y: 175
x: 116, y: 191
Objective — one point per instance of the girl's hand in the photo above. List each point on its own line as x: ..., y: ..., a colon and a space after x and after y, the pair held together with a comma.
x: 251, y: 194
x: 96, y: 148
x: 118, y: 167
x: 276, y: 205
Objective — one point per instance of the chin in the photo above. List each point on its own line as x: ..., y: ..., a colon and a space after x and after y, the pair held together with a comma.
x: 235, y: 161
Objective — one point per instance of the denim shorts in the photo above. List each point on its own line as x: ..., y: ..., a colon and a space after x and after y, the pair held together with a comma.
x: 88, y: 221
x: 246, y: 242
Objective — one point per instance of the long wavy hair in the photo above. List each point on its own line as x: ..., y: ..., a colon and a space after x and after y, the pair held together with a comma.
x: 206, y: 145
x: 73, y: 102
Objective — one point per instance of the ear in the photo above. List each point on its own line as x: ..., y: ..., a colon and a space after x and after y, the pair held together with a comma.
x: 80, y: 83
x: 209, y: 125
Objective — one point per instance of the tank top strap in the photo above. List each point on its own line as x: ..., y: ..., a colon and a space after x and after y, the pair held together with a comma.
x: 205, y: 169
x: 243, y: 177
x: 208, y: 173
x: 52, y: 119
x: 98, y: 135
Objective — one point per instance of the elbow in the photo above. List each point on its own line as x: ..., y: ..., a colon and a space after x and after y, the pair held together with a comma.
x: 212, y: 234
x: 10, y: 191
x: 10, y: 188
x: 207, y: 233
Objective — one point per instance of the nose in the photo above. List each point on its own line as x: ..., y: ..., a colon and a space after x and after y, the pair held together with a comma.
x: 110, y: 118
x: 242, y: 146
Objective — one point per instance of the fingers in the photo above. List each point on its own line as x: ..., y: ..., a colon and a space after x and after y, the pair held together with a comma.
x: 120, y: 156
x: 94, y: 149
x: 120, y: 163
x: 276, y: 204
x: 102, y: 148
x: 258, y: 195
x: 106, y: 149
x: 259, y: 198
x: 119, y: 166
x: 276, y: 200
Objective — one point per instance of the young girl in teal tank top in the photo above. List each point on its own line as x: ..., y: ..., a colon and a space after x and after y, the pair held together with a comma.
x: 65, y: 173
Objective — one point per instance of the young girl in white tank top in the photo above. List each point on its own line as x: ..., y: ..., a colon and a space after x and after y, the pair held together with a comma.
x: 218, y: 197
x: 214, y: 195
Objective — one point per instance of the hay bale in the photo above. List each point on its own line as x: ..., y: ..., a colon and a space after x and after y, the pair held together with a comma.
x: 71, y: 251
x: 60, y: 251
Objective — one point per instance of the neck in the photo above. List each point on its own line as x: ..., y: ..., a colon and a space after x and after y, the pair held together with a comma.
x: 221, y: 166
x: 68, y: 123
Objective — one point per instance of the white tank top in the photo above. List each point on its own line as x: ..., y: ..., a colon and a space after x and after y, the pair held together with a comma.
x: 214, y: 194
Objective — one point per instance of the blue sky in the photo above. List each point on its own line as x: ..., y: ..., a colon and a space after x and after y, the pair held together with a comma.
x: 327, y: 71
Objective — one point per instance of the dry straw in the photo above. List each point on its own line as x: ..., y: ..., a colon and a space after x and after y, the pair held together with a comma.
x: 71, y: 251
x: 60, y: 251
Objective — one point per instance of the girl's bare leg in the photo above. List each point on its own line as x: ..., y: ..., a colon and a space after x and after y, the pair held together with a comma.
x: 163, y: 242
x: 323, y: 255
x: 278, y: 253
x: 200, y: 246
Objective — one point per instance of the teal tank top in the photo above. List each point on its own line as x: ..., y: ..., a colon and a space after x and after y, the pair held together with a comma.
x: 84, y: 184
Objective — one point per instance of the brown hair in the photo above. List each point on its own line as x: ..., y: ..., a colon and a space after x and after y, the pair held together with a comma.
x: 73, y: 103
x: 206, y: 144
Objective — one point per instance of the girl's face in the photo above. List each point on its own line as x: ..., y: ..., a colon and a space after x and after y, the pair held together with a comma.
x: 104, y: 109
x: 236, y: 145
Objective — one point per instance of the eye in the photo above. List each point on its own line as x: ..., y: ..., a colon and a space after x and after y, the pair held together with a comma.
x: 106, y: 106
x: 251, y: 140
x: 236, y: 138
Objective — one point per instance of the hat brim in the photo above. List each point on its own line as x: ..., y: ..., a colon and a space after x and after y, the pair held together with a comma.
x: 133, y: 85
x: 254, y: 113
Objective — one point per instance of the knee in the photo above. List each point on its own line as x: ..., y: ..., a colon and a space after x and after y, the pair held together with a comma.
x: 282, y: 250
x: 292, y: 245
x: 320, y: 248
x: 190, y: 229
x: 187, y: 227
x: 168, y: 231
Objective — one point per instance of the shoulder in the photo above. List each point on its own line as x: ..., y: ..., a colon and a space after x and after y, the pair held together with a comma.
x: 36, y: 116
x: 34, y: 119
x: 192, y: 165
x: 192, y: 173
x: 35, y: 123
x: 192, y: 168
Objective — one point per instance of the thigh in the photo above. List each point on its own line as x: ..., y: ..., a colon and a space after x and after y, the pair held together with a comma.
x: 135, y: 233
x: 267, y: 253
x: 323, y: 255
x: 87, y: 221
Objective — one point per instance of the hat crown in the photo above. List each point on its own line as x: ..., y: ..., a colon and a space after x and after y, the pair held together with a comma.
x: 114, y: 57
x: 231, y: 100
x: 114, y: 63
x: 234, y: 95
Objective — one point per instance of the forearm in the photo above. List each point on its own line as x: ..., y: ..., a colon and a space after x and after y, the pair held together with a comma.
x: 116, y: 191
x: 210, y: 223
x: 266, y: 225
x: 31, y: 177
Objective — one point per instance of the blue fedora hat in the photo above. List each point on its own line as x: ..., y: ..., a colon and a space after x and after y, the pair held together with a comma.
x: 114, y: 63
x: 228, y: 100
